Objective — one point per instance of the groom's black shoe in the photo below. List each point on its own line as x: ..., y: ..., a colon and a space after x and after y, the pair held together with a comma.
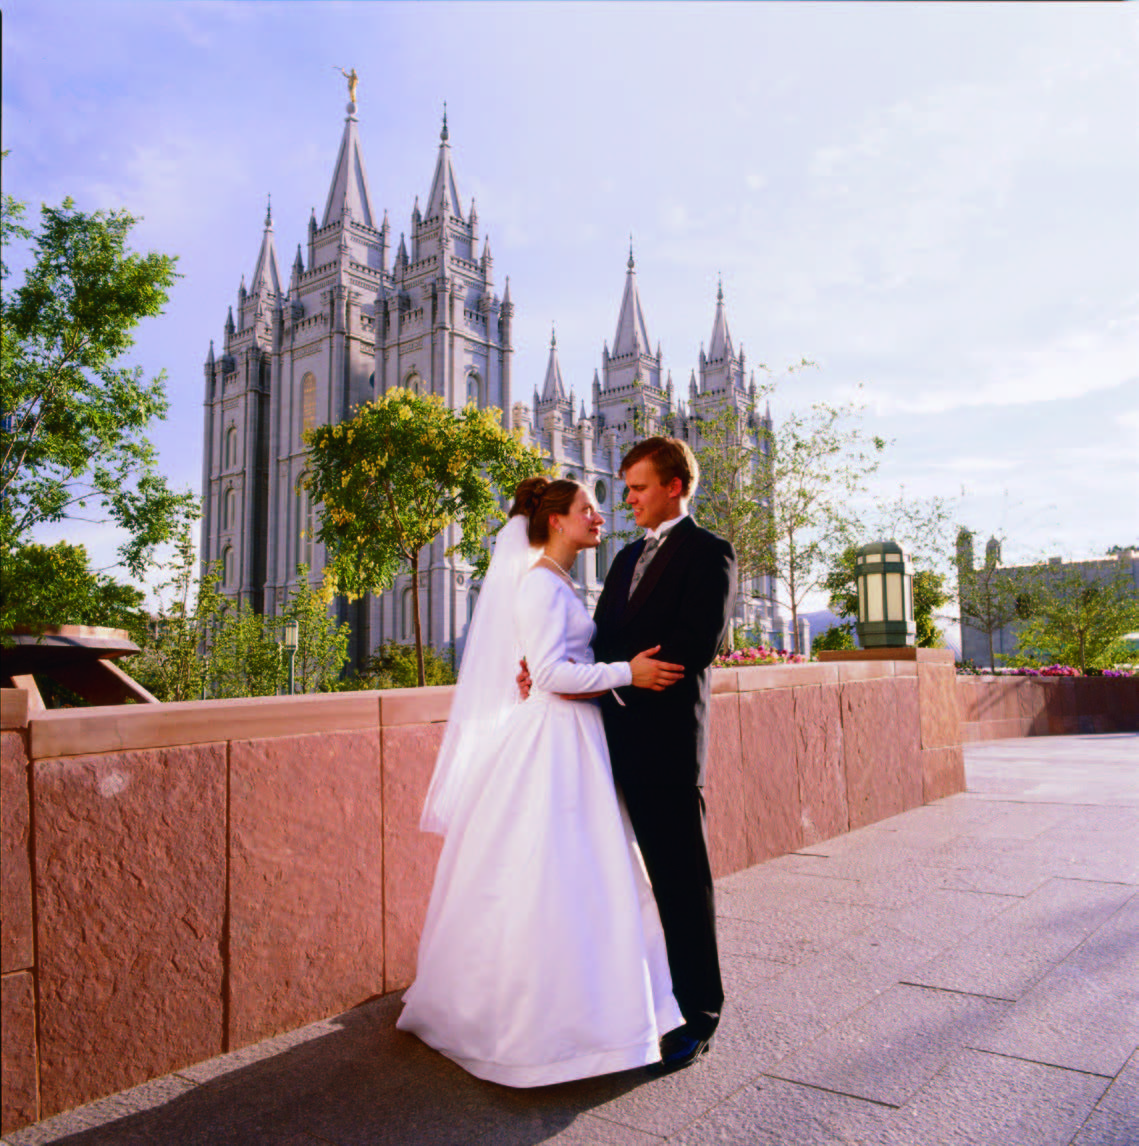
x: 679, y: 1049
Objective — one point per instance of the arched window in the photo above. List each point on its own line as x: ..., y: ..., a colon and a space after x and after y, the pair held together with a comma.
x: 407, y: 616
x: 415, y: 383
x: 305, y: 523
x: 472, y: 601
x: 229, y: 508
x: 231, y: 447
x: 308, y: 401
x: 227, y: 577
x: 474, y: 389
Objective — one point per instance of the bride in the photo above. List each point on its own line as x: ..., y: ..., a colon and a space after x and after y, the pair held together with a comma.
x: 542, y: 957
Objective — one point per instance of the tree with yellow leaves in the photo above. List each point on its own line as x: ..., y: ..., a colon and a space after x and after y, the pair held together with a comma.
x: 395, y: 475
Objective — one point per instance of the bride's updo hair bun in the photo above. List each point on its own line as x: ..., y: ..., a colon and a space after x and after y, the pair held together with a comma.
x: 528, y: 495
x: 537, y: 498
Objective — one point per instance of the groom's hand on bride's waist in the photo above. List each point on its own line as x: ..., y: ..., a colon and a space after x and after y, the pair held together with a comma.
x: 523, y: 679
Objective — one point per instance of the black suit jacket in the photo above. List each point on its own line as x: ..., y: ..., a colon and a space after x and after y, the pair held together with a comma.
x: 683, y: 603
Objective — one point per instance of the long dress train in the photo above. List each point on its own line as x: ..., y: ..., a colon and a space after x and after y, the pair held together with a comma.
x: 542, y: 957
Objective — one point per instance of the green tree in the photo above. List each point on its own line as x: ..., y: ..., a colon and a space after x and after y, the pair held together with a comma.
x: 245, y: 657
x: 75, y: 440
x: 838, y: 638
x: 55, y: 583
x: 989, y: 596
x: 399, y: 472
x: 817, y: 467
x: 731, y: 497
x: 322, y: 644
x: 174, y: 665
x: 1075, y: 620
x: 203, y: 644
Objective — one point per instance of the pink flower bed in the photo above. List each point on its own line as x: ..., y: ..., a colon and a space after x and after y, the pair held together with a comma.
x: 760, y: 655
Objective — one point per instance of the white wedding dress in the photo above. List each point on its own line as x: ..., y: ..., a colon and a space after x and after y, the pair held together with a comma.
x: 542, y: 957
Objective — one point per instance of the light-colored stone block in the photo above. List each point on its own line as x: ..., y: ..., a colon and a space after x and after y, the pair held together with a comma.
x: 80, y: 731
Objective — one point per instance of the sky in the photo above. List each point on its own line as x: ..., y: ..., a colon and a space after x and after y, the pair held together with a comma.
x: 936, y: 204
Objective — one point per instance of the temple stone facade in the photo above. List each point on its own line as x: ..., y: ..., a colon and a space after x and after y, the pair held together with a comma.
x: 360, y: 314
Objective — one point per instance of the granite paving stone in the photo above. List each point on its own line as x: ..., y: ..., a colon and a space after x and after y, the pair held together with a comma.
x: 761, y: 1037
x: 890, y: 1048
x: 1084, y: 1014
x: 824, y: 987
x: 1010, y: 952
x: 584, y: 1130
x: 1115, y: 1120
x: 122, y: 1117
x: 1023, y: 822
x: 987, y: 1100
x: 771, y: 1112
x: 946, y: 915
x: 1104, y: 855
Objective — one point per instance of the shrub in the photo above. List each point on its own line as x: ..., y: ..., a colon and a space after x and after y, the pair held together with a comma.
x: 393, y: 665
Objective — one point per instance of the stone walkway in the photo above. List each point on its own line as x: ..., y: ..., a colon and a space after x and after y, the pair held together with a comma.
x: 965, y: 973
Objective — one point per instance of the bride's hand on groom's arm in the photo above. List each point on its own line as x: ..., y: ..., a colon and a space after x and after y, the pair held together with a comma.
x: 653, y: 674
x: 523, y: 679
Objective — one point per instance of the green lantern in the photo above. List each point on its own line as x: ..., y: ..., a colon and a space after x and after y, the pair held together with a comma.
x: 885, y: 577
x: 292, y: 635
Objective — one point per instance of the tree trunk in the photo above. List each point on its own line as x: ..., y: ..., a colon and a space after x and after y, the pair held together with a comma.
x: 415, y: 613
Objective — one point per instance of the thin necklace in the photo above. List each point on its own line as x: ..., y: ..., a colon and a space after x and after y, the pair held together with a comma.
x: 558, y: 565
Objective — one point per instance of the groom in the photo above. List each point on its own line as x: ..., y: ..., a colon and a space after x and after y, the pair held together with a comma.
x: 674, y: 588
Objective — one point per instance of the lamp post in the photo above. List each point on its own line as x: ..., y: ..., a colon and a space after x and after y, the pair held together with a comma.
x: 885, y: 577
x: 292, y: 631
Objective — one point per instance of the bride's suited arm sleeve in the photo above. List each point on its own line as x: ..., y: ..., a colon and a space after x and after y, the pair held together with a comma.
x: 542, y: 622
x: 693, y: 638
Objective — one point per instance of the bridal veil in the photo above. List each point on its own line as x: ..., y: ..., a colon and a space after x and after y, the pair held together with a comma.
x: 486, y: 689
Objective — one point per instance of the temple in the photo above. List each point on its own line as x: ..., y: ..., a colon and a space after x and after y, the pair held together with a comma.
x: 360, y: 314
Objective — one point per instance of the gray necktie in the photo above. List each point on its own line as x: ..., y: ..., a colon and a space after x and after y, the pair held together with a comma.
x: 647, y: 554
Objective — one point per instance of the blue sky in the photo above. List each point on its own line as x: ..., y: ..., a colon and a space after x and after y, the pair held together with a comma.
x: 937, y: 203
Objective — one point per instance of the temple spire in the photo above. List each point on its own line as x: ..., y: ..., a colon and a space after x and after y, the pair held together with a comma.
x: 349, y: 187
x: 721, y: 345
x: 554, y: 389
x: 266, y: 276
x: 444, y: 197
x: 632, y: 334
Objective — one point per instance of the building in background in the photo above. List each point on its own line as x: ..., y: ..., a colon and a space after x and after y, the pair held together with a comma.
x: 359, y: 315
x: 975, y: 643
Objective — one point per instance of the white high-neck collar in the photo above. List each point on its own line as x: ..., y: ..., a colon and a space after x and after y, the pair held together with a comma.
x: 662, y: 529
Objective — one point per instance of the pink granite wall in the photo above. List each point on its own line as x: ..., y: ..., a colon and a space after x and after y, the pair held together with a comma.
x: 306, y: 879
x: 207, y: 874
x: 16, y: 951
x: 130, y: 898
x: 19, y: 1103
x: 995, y: 708
x: 410, y: 854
